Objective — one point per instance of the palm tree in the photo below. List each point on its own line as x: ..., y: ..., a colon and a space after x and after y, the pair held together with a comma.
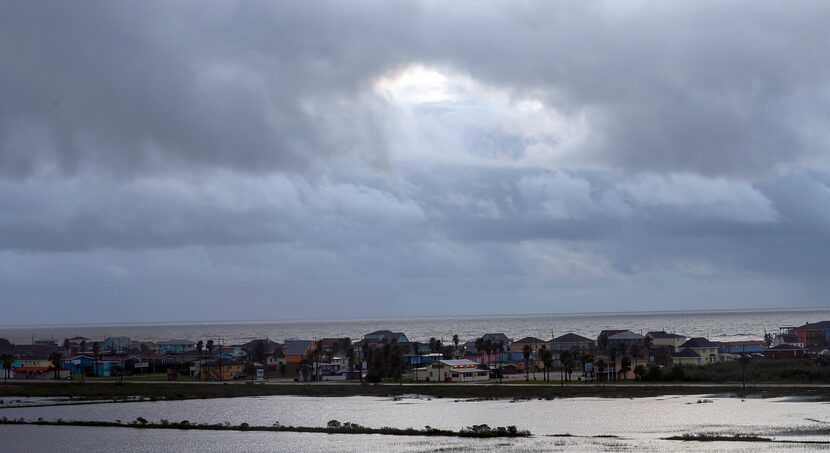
x: 96, y: 354
x: 455, y: 341
x: 488, y: 348
x: 82, y: 346
x: 647, y: 341
x: 564, y: 362
x: 635, y: 353
x: 55, y: 357
x: 435, y: 345
x: 526, y: 351
x: 479, y: 345
x: 547, y: 361
x: 200, y: 345
x: 600, y: 365
x: 350, y: 358
x: 66, y: 344
x: 209, y: 346
x: 7, y: 360
x: 625, y: 366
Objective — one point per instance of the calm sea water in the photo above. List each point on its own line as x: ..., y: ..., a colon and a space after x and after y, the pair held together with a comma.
x: 639, y: 424
x: 721, y: 325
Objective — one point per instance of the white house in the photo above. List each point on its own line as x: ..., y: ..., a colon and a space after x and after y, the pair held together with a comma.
x: 787, y: 338
x: 461, y: 370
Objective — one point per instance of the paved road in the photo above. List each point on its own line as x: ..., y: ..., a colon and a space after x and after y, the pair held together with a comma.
x: 416, y: 385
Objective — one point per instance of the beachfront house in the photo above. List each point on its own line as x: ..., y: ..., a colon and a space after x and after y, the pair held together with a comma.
x: 379, y: 337
x: 115, y: 344
x: 460, y: 370
x: 686, y: 357
x: 177, y: 346
x: 79, y: 364
x: 661, y: 338
x: 662, y: 345
x: 571, y: 342
x: 741, y: 347
x: 220, y: 370
x: 296, y: 350
x: 814, y: 336
x: 336, y: 369
x: 39, y: 372
x: 785, y: 351
x: 32, y: 363
x: 625, y: 342
x: 259, y: 348
x: 787, y: 338
x: 705, y: 349
x: 602, y: 339
x: 517, y: 348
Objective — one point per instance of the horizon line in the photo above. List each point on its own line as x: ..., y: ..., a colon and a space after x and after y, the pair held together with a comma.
x: 406, y: 317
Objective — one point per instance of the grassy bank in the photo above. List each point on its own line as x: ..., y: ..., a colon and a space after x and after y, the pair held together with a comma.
x: 333, y: 427
x: 705, y: 437
x: 177, y: 391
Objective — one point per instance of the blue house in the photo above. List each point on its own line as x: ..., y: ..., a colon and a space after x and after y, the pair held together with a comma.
x: 743, y: 347
x: 177, y: 346
x: 78, y: 364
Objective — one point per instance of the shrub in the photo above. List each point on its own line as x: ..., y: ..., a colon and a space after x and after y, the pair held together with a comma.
x: 334, y: 424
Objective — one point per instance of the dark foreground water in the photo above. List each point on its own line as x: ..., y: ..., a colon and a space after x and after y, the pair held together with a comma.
x: 639, y: 424
x: 723, y: 325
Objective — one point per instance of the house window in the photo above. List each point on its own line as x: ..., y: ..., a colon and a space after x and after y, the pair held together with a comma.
x: 455, y: 375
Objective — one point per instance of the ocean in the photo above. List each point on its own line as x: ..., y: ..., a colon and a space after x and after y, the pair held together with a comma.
x: 725, y: 325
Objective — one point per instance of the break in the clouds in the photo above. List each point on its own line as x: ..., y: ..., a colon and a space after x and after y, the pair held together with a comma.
x: 239, y: 160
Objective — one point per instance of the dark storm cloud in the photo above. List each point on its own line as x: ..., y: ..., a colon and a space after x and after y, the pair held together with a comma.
x: 141, y: 86
x: 707, y: 87
x: 179, y: 155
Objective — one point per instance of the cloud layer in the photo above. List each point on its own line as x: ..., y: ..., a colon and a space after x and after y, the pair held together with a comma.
x: 162, y: 161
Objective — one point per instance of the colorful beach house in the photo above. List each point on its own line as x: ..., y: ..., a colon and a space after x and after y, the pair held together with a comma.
x: 461, y: 370
x: 177, y: 346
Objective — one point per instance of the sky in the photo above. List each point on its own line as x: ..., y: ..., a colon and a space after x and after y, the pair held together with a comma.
x: 224, y: 160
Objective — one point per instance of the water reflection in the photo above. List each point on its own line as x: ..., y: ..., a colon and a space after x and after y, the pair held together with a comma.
x: 639, y: 423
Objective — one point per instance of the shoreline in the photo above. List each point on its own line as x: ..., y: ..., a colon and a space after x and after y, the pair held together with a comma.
x: 151, y: 391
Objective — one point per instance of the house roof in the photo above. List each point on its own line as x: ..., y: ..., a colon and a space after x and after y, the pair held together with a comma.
x: 458, y: 362
x: 571, y: 338
x: 332, y: 342
x: 609, y: 332
x: 789, y: 338
x: 741, y: 343
x: 175, y: 342
x: 785, y: 347
x: 496, y: 337
x: 383, y: 335
x: 529, y: 340
x: 269, y: 346
x: 821, y: 325
x: 698, y: 342
x: 297, y: 347
x: 35, y: 369
x: 663, y: 334
x: 686, y: 353
x: 626, y: 335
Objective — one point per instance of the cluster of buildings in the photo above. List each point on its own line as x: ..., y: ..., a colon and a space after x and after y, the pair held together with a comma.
x: 614, y: 354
